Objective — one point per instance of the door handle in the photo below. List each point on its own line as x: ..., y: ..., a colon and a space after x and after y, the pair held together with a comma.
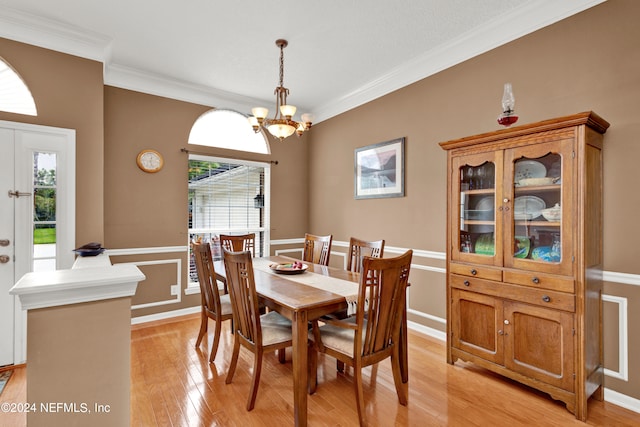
x: 4, y: 242
x: 4, y: 259
x: 17, y: 194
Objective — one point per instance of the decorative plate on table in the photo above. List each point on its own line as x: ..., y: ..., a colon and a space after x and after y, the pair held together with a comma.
x: 529, y: 169
x: 528, y: 207
x: 289, y: 268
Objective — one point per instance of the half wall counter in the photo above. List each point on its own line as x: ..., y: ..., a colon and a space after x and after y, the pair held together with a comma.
x: 79, y: 342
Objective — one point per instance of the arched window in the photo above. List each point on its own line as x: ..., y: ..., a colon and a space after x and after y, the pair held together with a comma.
x: 227, y: 129
x: 227, y: 196
x: 15, y: 96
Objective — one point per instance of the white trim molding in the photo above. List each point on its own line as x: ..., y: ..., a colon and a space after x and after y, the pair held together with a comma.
x: 623, y: 338
x: 178, y: 283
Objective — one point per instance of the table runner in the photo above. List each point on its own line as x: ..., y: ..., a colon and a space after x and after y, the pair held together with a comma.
x: 346, y: 288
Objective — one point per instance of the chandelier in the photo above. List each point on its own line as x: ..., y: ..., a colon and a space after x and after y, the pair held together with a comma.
x: 282, y: 124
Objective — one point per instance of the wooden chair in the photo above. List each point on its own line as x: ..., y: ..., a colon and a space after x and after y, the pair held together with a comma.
x: 214, y: 305
x: 317, y: 249
x: 244, y: 242
x: 258, y: 333
x: 361, y: 248
x: 375, y: 334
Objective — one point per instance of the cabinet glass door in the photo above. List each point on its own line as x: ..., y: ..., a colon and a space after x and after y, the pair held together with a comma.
x: 477, y: 178
x: 538, y: 207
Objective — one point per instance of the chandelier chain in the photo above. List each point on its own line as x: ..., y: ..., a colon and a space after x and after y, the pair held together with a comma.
x: 281, y: 65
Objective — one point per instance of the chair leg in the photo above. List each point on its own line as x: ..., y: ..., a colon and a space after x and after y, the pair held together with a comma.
x: 282, y: 355
x: 203, y: 327
x: 312, y: 364
x: 339, y: 365
x: 357, y: 381
x: 216, y: 340
x: 234, y: 359
x: 257, y: 369
x: 401, y: 386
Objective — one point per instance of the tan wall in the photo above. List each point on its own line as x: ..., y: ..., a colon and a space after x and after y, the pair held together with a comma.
x: 150, y: 210
x: 68, y: 94
x: 588, y: 62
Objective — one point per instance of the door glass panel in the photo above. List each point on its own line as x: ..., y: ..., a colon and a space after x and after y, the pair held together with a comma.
x: 44, y: 211
x: 477, y: 209
x: 537, y: 207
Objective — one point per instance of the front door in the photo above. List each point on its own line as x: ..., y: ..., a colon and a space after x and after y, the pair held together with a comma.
x: 37, y: 217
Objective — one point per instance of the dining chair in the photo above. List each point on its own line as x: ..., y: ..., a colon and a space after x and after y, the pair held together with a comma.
x: 214, y: 305
x: 359, y: 248
x: 257, y: 333
x: 375, y: 333
x: 317, y: 249
x: 237, y: 243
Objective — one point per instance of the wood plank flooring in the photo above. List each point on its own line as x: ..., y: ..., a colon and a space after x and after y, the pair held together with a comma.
x: 172, y: 384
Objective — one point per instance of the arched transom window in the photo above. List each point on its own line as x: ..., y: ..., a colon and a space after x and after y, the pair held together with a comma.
x: 15, y: 96
x: 227, y: 129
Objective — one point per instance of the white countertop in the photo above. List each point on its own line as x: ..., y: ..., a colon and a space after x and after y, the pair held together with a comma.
x: 90, y: 279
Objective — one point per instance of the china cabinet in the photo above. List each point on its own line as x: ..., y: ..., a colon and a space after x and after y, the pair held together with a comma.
x: 524, y: 255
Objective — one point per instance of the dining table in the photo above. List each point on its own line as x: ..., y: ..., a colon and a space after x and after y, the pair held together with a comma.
x: 317, y: 291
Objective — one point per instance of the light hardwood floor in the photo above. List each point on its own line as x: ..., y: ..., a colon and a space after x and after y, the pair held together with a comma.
x: 172, y: 384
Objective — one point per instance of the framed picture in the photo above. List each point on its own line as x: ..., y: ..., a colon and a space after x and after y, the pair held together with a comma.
x: 379, y: 170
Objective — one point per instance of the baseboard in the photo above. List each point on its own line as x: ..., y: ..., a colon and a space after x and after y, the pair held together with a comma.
x: 622, y: 400
x: 165, y: 315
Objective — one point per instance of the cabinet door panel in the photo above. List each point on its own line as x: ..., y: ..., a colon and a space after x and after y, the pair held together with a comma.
x: 537, y: 177
x: 540, y: 343
x: 476, y: 230
x: 476, y: 324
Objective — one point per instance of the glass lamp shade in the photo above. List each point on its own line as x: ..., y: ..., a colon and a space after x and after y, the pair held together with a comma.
x: 260, y: 112
x: 287, y: 110
x: 508, y: 100
x: 281, y: 130
x: 307, y: 118
x: 254, y: 122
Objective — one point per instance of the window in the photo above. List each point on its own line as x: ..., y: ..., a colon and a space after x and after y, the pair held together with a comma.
x: 227, y: 129
x: 15, y: 96
x: 227, y: 197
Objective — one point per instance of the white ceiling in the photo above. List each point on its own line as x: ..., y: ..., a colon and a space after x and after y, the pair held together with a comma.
x: 341, y: 53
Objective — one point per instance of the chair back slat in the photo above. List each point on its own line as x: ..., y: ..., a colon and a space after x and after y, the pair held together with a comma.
x: 238, y: 243
x: 317, y: 249
x: 359, y: 248
x: 242, y: 291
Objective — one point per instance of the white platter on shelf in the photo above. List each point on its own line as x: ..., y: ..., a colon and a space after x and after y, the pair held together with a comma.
x: 528, y: 207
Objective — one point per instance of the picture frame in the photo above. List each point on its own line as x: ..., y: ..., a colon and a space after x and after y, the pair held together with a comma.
x: 379, y: 170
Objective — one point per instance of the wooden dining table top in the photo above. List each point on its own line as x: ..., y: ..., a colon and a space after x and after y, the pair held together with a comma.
x: 283, y: 290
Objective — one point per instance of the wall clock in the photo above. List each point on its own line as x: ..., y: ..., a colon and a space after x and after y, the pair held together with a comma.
x: 150, y: 161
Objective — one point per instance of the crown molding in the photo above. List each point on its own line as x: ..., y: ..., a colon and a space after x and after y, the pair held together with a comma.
x: 50, y: 34
x: 155, y: 84
x: 505, y: 28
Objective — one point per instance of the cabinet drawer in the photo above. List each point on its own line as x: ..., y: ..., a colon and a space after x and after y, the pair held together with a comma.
x: 525, y: 294
x: 481, y: 272
x: 538, y: 280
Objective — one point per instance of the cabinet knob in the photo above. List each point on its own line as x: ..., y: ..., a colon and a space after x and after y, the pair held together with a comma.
x: 506, y: 322
x: 535, y: 280
x: 500, y: 332
x: 473, y: 272
x: 505, y: 200
x: 466, y: 283
x: 546, y: 298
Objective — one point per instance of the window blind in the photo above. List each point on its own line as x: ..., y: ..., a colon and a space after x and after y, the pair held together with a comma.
x: 227, y: 197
